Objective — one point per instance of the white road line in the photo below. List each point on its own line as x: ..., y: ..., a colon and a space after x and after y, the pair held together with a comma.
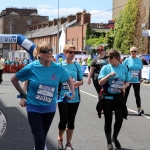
x: 128, y: 108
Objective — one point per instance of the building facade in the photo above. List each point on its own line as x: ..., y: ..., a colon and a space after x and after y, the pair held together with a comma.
x: 17, y: 21
x: 143, y: 23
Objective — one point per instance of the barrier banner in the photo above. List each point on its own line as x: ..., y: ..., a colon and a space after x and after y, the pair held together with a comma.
x: 146, y: 72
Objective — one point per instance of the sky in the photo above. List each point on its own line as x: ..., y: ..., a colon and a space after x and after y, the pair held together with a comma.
x: 100, y: 10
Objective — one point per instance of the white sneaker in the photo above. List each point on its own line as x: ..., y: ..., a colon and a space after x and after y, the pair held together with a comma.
x: 44, y: 148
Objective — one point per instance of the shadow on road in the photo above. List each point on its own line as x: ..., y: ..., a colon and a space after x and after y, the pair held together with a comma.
x: 18, y: 135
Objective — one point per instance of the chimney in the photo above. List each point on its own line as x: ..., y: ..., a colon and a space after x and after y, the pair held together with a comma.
x: 62, y: 20
x: 54, y: 22
x: 50, y: 23
x: 85, y: 17
x: 30, y: 28
x: 39, y: 25
x: 44, y: 24
x: 78, y: 17
x: 34, y: 27
x: 71, y: 18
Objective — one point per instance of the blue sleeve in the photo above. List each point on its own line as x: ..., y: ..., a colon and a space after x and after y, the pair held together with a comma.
x: 64, y: 75
x: 128, y: 74
x: 102, y: 73
x: 80, y: 74
x: 24, y: 73
x: 125, y: 62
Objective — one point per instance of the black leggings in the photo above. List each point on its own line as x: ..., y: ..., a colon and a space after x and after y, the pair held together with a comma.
x: 136, y: 87
x: 40, y: 124
x: 67, y: 112
x: 109, y: 106
x: 96, y: 84
x: 1, y: 73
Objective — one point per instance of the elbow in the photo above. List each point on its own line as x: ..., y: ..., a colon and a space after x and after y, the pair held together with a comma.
x: 100, y: 83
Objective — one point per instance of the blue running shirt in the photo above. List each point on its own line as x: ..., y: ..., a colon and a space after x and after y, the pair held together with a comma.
x: 134, y: 66
x: 116, y: 82
x: 74, y: 70
x: 42, y: 83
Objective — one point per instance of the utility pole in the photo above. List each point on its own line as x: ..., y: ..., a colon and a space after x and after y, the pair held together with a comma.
x: 10, y: 27
x: 58, y: 30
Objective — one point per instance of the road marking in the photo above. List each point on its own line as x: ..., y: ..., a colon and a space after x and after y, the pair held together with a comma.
x: 128, y: 108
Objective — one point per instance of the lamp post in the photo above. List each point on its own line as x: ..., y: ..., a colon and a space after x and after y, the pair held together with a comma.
x: 10, y: 31
x: 58, y: 30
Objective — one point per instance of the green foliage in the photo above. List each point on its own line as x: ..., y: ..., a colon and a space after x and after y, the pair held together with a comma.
x: 125, y: 27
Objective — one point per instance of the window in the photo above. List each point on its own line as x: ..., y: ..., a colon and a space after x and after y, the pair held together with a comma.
x: 68, y: 41
x: 29, y: 23
x: 73, y: 41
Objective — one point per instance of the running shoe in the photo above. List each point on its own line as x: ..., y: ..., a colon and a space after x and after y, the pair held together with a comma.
x: 116, y: 142
x: 68, y: 146
x: 109, y: 147
x: 60, y: 144
x: 140, y: 112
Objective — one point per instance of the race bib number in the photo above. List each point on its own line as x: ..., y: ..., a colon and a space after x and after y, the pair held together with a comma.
x: 116, y: 86
x: 65, y: 85
x: 134, y: 74
x: 45, y: 93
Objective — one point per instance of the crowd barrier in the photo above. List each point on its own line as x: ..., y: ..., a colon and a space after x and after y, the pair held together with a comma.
x: 12, y: 68
x: 146, y: 72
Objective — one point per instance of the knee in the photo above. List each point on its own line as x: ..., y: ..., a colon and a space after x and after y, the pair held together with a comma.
x: 71, y: 124
x: 62, y: 124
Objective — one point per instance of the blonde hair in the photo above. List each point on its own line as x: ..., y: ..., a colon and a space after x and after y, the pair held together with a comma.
x: 43, y: 45
x: 67, y: 47
x: 133, y: 48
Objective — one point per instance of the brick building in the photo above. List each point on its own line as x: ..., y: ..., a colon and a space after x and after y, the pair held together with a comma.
x: 16, y: 21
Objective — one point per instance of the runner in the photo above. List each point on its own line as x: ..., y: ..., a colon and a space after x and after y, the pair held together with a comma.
x: 67, y: 111
x: 1, y: 68
x: 114, y: 78
x: 96, y: 65
x: 134, y: 65
x: 43, y: 78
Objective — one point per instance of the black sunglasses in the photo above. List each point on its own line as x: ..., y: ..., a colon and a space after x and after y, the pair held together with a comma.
x: 46, y: 51
x: 111, y: 57
x: 133, y: 51
x: 71, y: 52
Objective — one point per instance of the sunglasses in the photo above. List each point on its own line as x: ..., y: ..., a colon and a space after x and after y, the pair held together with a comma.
x: 111, y: 57
x: 71, y: 52
x: 133, y: 51
x: 46, y: 51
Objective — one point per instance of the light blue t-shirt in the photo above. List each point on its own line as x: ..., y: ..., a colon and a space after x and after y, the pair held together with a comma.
x: 74, y: 70
x: 134, y: 66
x: 116, y: 82
x: 43, y: 84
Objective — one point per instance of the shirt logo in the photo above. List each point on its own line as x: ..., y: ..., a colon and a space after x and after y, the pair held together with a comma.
x: 53, y: 77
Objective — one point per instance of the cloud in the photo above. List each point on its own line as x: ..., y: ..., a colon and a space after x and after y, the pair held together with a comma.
x: 97, y: 16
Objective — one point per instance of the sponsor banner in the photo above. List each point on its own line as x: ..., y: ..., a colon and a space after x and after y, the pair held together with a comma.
x: 3, y: 124
x: 8, y: 38
x: 146, y: 72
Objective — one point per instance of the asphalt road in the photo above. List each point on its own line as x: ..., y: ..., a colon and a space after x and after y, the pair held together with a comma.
x: 89, y: 129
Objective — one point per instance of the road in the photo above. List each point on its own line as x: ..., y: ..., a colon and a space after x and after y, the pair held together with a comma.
x: 89, y: 129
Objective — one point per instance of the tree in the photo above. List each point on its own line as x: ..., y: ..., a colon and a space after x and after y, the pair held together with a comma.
x: 125, y: 26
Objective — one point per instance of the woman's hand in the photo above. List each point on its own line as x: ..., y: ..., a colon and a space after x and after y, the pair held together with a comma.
x: 89, y: 81
x: 112, y: 74
x: 23, y: 102
x: 77, y: 84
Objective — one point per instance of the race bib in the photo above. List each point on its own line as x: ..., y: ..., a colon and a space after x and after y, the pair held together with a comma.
x: 116, y: 86
x: 45, y: 93
x: 65, y: 84
x: 134, y: 74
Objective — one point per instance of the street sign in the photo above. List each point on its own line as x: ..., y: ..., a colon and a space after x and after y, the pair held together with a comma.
x: 145, y: 32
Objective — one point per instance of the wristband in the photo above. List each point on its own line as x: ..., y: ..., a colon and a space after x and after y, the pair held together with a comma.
x: 22, y: 95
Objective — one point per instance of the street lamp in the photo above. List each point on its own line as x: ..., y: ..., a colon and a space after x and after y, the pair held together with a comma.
x: 10, y: 27
x: 58, y: 29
